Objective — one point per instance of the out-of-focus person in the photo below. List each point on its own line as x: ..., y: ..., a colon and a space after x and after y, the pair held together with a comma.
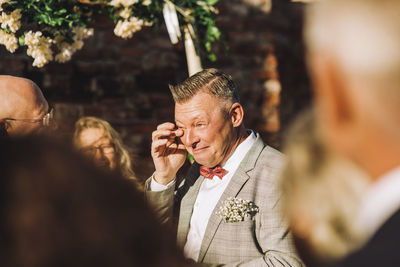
x: 23, y: 108
x: 354, y: 59
x: 321, y: 192
x: 98, y: 140
x: 57, y: 209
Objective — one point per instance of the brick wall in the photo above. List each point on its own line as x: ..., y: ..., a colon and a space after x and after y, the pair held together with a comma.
x: 125, y: 81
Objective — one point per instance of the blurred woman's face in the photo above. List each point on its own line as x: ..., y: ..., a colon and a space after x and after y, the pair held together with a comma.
x: 96, y: 144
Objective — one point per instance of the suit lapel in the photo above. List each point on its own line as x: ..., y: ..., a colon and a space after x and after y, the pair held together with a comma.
x: 232, y: 190
x: 186, y: 208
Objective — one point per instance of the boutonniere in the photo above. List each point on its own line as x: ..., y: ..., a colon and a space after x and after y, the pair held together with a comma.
x: 236, y: 210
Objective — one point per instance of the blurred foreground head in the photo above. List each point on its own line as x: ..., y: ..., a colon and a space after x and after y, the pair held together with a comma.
x: 354, y: 59
x: 320, y: 195
x: 57, y: 209
x: 23, y: 108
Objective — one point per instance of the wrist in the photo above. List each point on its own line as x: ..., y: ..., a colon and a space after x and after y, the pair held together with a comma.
x: 162, y: 178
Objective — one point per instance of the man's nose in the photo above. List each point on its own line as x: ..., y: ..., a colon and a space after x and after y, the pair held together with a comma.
x: 190, y: 138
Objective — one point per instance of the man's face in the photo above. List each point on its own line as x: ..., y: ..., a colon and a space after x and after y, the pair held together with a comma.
x: 208, y: 133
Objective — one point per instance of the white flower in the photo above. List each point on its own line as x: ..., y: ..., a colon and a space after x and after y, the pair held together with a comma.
x: 146, y: 2
x: 65, y: 54
x: 83, y: 33
x: 126, y: 28
x: 147, y: 23
x: 68, y: 49
x: 39, y: 47
x: 12, y: 21
x: 236, y: 209
x: 125, y: 3
x: 9, y: 41
x: 125, y: 13
x: 33, y: 38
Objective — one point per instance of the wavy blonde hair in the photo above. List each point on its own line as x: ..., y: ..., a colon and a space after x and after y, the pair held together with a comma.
x: 123, y: 160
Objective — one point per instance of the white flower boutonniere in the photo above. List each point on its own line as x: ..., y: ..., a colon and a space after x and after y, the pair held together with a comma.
x: 237, y: 209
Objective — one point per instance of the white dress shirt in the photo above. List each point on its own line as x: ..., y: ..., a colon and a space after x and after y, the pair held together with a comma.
x: 209, y: 194
x: 379, y: 203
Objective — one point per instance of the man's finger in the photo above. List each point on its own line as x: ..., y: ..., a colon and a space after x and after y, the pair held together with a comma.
x: 166, y: 126
x: 159, y: 144
x: 161, y: 134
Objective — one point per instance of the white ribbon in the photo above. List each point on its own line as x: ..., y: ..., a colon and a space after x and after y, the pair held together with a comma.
x: 171, y: 21
x: 192, y: 57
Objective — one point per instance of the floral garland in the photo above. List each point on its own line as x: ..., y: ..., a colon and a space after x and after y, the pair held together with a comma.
x: 56, y: 29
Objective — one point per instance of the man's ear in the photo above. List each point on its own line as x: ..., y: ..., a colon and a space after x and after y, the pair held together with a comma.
x: 236, y: 114
x: 333, y: 101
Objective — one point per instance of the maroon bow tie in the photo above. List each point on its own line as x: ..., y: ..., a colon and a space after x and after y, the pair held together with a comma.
x: 210, y: 173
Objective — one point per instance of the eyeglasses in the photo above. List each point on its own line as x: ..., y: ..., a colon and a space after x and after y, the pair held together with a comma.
x: 91, y: 150
x: 46, y: 121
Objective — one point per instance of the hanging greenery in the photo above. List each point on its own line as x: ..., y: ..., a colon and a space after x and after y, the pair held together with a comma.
x: 56, y: 29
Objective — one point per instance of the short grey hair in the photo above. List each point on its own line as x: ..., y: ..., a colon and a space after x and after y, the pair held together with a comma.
x: 211, y: 81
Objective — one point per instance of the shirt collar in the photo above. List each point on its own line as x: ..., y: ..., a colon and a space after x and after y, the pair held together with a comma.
x: 240, y: 152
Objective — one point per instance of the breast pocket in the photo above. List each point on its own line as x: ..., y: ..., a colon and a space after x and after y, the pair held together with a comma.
x: 237, y: 239
x: 237, y: 231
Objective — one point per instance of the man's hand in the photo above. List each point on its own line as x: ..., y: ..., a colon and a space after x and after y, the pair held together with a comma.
x: 167, y: 151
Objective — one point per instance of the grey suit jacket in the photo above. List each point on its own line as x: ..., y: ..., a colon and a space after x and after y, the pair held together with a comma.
x: 263, y: 240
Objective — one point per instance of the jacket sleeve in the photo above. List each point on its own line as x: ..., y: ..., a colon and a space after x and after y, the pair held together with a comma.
x: 162, y: 202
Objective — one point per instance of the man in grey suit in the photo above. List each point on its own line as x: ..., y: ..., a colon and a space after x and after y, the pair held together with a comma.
x: 227, y: 208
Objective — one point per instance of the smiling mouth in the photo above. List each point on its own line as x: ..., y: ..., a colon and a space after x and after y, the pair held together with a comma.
x: 199, y: 150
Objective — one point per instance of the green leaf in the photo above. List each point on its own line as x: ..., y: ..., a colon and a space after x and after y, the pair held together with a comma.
x: 212, y: 57
x: 207, y: 45
x: 21, y: 40
x: 190, y: 157
x: 61, y: 11
x: 47, y: 8
x: 58, y: 21
x: 6, y: 30
x: 213, y: 31
x: 211, y: 2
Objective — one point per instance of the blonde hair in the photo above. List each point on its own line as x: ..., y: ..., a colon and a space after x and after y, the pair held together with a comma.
x: 320, y: 193
x: 123, y: 159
